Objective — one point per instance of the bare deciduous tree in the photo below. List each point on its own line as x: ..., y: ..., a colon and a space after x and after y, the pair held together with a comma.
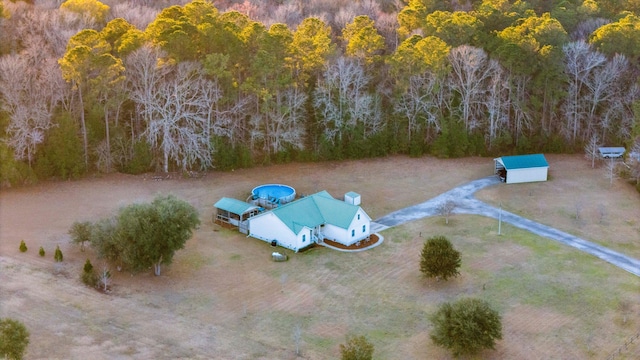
x: 591, y: 149
x: 497, y: 105
x: 602, y: 213
x: 230, y: 121
x: 280, y: 121
x: 418, y: 104
x: 138, y: 15
x: 343, y: 101
x: 580, y: 63
x: 584, y: 29
x: 626, y: 308
x: 634, y: 160
x: 611, y: 170
x: 177, y: 103
x: 606, y: 94
x: 297, y: 337
x: 104, y: 279
x: 445, y: 209
x: 578, y: 206
x: 472, y: 68
x: 30, y: 99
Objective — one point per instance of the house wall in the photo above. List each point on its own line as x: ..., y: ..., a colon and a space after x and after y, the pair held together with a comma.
x: 304, y: 238
x: 527, y: 175
x: 268, y: 227
x: 343, y: 236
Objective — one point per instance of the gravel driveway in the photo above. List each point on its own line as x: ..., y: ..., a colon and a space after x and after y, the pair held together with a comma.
x: 466, y: 203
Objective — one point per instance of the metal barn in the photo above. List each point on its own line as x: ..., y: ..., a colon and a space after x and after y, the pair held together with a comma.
x: 522, y: 168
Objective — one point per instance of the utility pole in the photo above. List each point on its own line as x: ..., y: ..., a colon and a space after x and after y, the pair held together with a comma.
x: 500, y: 220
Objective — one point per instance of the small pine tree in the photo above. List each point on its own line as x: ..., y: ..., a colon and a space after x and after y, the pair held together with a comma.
x: 88, y: 267
x: 439, y: 259
x: 41, y: 251
x: 57, y: 256
x: 23, y: 246
x: 356, y: 348
x: 89, y: 276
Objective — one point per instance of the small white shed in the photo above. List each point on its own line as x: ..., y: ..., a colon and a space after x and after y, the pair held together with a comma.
x: 352, y: 198
x: 522, y: 168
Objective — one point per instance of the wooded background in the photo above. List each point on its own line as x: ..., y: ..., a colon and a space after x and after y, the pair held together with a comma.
x: 137, y: 86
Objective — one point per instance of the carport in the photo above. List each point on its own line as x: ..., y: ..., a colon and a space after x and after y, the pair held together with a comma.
x: 611, y: 152
x: 521, y: 168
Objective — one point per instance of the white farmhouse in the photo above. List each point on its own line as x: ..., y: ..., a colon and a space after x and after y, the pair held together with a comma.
x: 311, y: 219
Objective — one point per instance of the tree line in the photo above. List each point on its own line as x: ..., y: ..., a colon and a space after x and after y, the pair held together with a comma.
x: 89, y: 87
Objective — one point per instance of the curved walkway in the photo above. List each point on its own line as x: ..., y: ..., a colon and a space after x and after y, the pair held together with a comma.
x: 466, y: 203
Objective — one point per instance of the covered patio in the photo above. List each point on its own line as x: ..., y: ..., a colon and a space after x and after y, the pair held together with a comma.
x: 235, y: 212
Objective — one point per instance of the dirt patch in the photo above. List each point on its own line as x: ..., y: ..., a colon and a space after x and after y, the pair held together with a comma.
x: 223, y: 297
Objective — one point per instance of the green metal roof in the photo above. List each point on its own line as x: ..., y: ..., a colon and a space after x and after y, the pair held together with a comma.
x: 315, y: 210
x: 335, y: 212
x: 234, y: 206
x: 524, y: 161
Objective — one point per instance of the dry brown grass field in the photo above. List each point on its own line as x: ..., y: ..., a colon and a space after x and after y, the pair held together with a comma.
x: 223, y: 297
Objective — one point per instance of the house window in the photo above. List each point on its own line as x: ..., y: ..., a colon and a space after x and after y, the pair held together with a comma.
x: 358, y: 216
x: 353, y: 233
x: 304, y: 238
x: 364, y: 228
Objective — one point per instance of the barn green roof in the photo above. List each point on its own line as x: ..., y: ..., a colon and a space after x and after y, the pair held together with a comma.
x: 524, y: 161
x: 234, y: 206
x: 314, y: 210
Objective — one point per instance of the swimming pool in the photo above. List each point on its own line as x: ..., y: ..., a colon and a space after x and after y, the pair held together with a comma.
x: 275, y: 193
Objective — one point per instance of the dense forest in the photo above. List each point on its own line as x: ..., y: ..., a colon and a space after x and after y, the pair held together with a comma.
x: 137, y: 86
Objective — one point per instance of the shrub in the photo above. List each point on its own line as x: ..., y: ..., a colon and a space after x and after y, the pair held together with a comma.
x: 57, y: 256
x: 14, y: 338
x: 23, y: 246
x: 89, y: 276
x: 41, y: 251
x: 88, y: 267
x: 356, y: 348
x: 439, y: 259
x: 466, y: 327
x: 80, y: 233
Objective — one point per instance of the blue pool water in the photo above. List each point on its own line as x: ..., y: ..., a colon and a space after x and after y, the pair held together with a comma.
x: 282, y: 193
